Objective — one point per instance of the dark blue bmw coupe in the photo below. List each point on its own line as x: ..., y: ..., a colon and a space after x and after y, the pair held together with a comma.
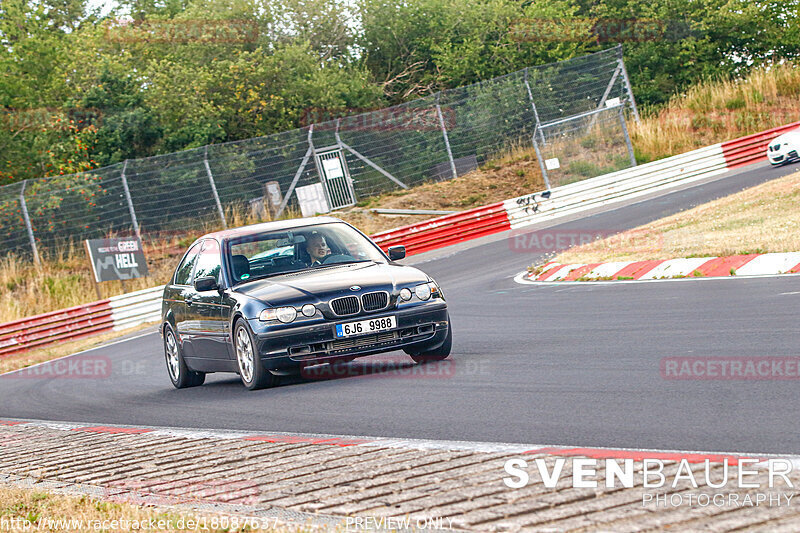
x: 264, y: 300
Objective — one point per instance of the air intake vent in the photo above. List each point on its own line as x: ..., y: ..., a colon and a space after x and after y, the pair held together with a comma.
x: 358, y: 342
x: 374, y: 301
x: 347, y: 305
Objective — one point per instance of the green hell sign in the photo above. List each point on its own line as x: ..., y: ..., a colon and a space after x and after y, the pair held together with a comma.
x: 116, y: 259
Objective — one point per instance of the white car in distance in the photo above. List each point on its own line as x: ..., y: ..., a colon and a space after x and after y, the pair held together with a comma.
x: 784, y: 148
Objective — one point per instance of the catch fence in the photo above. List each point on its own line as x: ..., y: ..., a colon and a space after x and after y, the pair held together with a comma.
x: 571, y: 111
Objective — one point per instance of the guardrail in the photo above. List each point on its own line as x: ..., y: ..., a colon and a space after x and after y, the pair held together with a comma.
x: 583, y: 195
x: 752, y: 148
x: 446, y: 230
x: 128, y: 310
x: 115, y: 313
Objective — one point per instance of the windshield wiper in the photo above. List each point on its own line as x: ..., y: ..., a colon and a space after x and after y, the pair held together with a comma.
x: 342, y: 263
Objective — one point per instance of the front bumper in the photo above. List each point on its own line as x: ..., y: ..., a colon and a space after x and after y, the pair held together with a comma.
x: 778, y: 158
x: 420, y: 327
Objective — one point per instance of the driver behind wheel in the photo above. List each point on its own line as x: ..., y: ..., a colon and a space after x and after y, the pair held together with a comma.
x: 317, y: 248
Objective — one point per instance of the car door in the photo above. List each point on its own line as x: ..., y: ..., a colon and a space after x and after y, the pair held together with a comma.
x: 209, y: 339
x: 178, y: 291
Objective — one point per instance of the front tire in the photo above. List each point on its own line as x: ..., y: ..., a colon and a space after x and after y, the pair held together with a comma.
x: 179, y: 374
x: 438, y: 354
x: 253, y: 374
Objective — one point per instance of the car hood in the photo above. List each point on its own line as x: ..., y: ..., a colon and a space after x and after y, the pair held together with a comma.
x: 319, y: 285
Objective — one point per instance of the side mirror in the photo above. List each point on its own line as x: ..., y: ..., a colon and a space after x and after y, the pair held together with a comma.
x: 206, y: 283
x: 397, y: 252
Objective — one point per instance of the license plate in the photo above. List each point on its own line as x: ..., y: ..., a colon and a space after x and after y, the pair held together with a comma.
x: 365, y: 327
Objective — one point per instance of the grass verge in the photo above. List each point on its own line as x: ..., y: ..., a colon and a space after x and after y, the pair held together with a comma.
x: 37, y: 510
x: 719, y: 110
x: 761, y: 219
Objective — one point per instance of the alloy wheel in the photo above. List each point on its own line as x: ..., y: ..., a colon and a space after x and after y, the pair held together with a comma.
x: 244, y: 354
x: 173, y: 360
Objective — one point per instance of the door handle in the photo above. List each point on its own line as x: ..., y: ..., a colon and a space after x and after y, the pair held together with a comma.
x: 188, y: 300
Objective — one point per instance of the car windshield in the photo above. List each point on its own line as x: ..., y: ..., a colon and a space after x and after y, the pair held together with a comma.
x: 319, y: 246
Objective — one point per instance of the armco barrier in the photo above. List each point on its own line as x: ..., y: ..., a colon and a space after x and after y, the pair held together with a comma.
x: 128, y: 310
x: 752, y: 148
x: 115, y: 313
x: 66, y: 324
x: 446, y: 230
x: 619, y: 186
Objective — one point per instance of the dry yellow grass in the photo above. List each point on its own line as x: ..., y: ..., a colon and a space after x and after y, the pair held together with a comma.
x: 761, y: 219
x: 720, y: 110
x: 53, y: 512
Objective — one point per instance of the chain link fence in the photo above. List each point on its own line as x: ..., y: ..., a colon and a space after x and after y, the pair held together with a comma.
x: 573, y: 111
x: 584, y: 146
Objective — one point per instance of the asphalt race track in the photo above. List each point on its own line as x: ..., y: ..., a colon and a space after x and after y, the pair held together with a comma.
x: 550, y: 365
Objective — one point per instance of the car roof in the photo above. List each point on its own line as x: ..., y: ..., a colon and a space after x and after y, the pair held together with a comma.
x: 278, y: 225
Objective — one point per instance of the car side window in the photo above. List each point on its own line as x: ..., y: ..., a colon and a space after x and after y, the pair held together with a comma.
x: 184, y: 272
x: 208, y: 263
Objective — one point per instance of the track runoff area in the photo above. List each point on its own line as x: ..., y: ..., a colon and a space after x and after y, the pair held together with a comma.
x: 555, y: 418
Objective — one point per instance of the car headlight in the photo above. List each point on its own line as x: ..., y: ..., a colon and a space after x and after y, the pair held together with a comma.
x: 423, y: 291
x: 309, y: 310
x: 405, y: 294
x: 282, y: 314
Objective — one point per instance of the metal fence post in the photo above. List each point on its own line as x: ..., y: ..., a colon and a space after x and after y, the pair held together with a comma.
x: 214, y: 188
x: 300, y: 169
x: 364, y: 158
x: 446, y: 138
x: 627, y: 136
x: 28, y: 225
x: 539, y: 158
x: 627, y: 83
x: 533, y: 106
x: 130, y: 201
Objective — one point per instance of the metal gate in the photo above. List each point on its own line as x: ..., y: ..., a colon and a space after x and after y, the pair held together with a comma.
x: 335, y: 176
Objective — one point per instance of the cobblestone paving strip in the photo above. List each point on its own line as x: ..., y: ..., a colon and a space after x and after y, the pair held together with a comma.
x: 322, y: 479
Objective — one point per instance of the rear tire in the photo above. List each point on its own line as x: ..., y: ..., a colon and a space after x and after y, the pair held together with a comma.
x: 179, y: 374
x: 253, y: 374
x: 438, y: 354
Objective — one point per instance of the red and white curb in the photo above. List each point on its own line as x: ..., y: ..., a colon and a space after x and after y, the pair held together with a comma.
x: 342, y: 441
x: 750, y: 265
